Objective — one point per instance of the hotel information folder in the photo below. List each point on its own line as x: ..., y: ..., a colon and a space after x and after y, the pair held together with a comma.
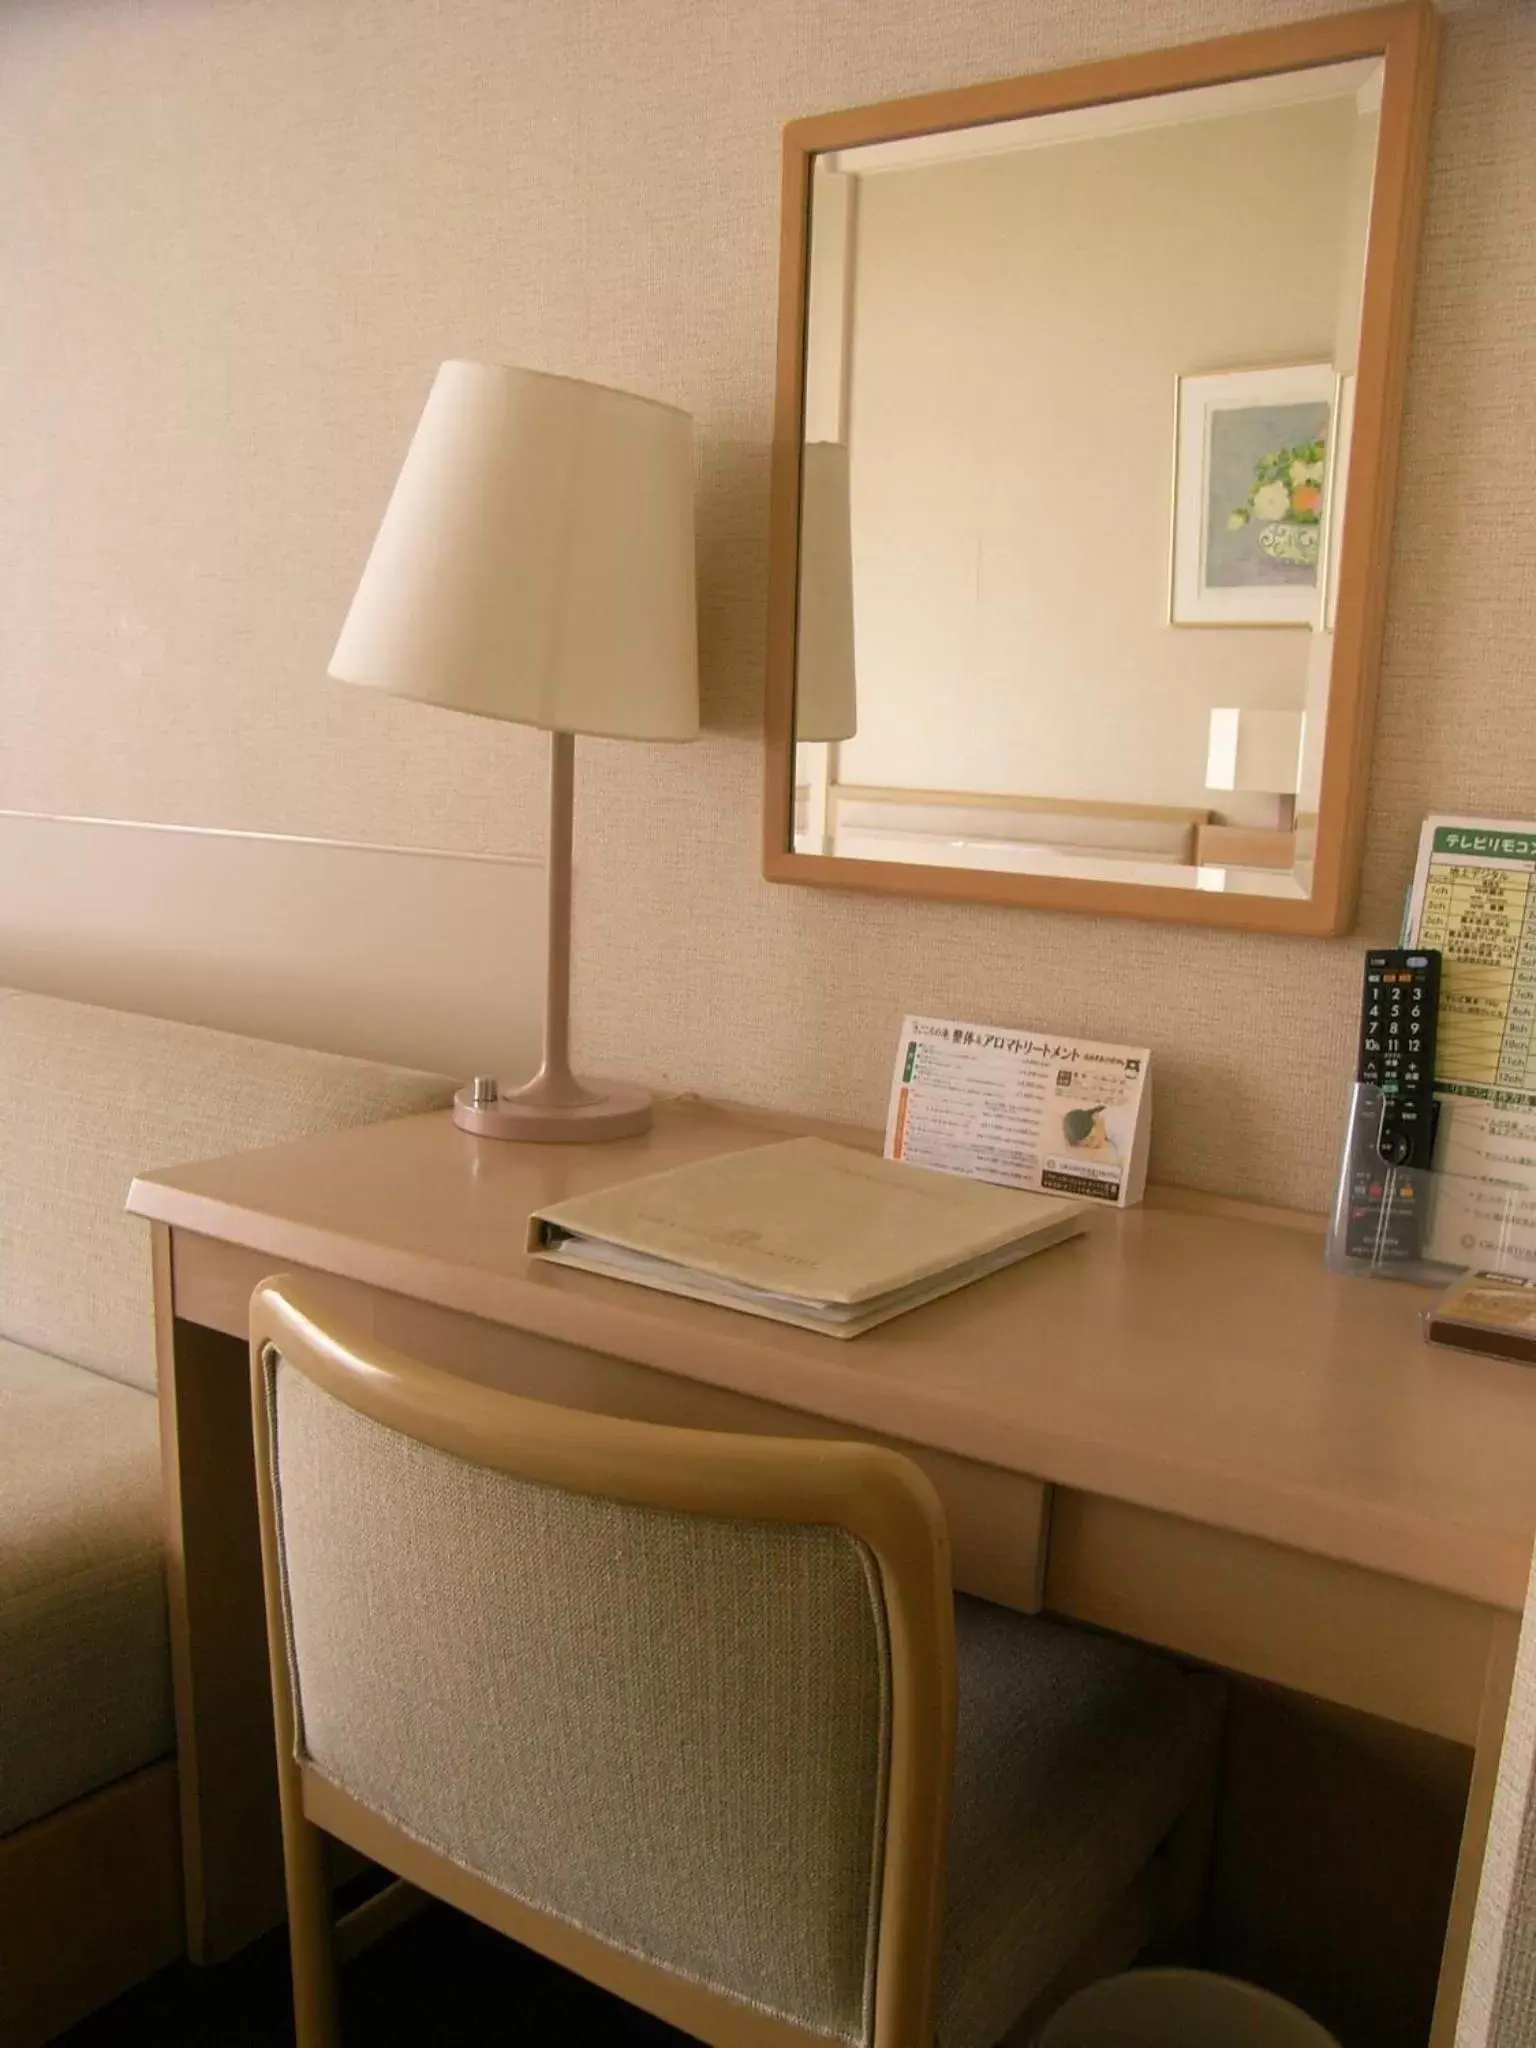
x: 803, y: 1232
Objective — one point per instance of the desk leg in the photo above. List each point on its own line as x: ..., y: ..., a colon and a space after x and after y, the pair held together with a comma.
x: 231, y: 1843
x: 1497, y: 1686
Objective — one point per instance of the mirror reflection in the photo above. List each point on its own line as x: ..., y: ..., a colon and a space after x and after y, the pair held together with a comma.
x: 1078, y: 392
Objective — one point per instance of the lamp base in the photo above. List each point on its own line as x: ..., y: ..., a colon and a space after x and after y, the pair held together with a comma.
x: 615, y: 1111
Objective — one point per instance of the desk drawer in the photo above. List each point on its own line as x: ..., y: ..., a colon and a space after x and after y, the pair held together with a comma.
x: 998, y: 1520
x: 1404, y: 1652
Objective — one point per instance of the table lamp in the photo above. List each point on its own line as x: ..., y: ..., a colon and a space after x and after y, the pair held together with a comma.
x: 1255, y: 750
x: 535, y: 563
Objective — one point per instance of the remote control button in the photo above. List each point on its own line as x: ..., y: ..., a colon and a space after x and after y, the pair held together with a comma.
x: 1394, y: 1145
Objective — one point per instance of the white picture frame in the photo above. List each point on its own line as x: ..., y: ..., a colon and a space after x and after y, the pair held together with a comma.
x: 1261, y: 576
x: 1337, y: 490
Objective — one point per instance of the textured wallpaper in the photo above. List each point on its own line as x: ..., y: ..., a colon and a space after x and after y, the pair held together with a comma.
x: 237, y: 236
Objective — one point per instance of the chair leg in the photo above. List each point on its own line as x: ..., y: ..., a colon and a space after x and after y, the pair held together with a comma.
x: 311, y: 1931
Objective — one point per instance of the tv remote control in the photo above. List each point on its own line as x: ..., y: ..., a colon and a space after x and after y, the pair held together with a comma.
x: 1397, y: 1050
x: 1392, y: 1132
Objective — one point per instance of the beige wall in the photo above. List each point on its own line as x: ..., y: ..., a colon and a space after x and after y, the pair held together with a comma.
x: 236, y: 237
x: 1019, y: 321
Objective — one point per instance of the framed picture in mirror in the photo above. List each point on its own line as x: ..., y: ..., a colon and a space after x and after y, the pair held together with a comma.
x: 1252, y: 470
x: 989, y: 538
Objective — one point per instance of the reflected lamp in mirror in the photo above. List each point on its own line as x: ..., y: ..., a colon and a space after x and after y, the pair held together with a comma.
x: 536, y: 564
x: 1255, y: 750
x: 826, y: 695
x: 1088, y: 398
x: 826, y: 698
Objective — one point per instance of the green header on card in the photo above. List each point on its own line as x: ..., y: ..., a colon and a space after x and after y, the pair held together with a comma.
x: 1493, y: 845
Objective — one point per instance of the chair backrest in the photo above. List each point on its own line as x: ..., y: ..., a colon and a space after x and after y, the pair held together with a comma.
x: 1498, y: 2006
x: 691, y: 1693
x: 90, y: 1097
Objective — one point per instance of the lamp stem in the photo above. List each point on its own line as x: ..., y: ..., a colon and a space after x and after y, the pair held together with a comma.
x: 554, y: 1085
x: 557, y: 979
x: 554, y: 1108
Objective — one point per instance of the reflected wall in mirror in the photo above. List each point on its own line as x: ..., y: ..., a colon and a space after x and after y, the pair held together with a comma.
x: 1088, y: 400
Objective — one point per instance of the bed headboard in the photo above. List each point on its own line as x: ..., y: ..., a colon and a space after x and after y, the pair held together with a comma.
x: 1149, y: 832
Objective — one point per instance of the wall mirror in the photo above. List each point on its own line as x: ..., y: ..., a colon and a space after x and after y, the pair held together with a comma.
x: 1089, y: 387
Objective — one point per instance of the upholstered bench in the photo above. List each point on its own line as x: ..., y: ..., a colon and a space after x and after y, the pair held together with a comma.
x: 89, y: 1860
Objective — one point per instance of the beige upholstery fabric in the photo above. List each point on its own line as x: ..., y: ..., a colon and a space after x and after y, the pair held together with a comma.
x: 89, y: 1098
x: 666, y: 1729
x: 1074, y: 1757
x: 1498, y: 2008
x: 85, y: 1686
x: 670, y: 1729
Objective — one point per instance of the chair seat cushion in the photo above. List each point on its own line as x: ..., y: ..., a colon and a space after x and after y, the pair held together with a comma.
x: 85, y: 1686
x: 1075, y: 1754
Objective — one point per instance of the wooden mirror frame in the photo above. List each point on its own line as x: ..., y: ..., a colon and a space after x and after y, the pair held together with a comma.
x: 1405, y: 37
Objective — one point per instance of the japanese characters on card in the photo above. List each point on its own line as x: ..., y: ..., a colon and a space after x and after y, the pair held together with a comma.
x: 1027, y: 1109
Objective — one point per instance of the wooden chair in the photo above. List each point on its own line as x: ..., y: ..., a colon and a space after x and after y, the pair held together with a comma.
x: 1498, y: 2004
x: 679, y: 1710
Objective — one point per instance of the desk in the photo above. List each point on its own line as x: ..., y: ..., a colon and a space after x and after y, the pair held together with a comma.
x: 1250, y: 1460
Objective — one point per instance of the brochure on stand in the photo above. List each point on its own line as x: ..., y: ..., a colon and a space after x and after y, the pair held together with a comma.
x: 1026, y: 1109
x: 1474, y: 901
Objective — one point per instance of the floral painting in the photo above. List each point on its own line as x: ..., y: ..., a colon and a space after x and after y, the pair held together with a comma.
x: 1251, y: 490
x: 1264, y: 504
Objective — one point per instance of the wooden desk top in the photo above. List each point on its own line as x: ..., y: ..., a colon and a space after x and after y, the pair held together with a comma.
x: 1202, y: 1364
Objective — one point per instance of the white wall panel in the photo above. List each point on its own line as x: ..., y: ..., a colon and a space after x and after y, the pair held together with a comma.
x: 428, y: 961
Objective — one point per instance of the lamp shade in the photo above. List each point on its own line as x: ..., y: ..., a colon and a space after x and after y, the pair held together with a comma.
x: 535, y: 562
x: 1255, y: 750
x: 826, y: 705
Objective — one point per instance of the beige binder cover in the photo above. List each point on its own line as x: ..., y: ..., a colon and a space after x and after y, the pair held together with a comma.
x: 804, y: 1232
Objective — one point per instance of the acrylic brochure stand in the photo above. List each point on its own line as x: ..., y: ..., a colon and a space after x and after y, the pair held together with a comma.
x: 1419, y: 1223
